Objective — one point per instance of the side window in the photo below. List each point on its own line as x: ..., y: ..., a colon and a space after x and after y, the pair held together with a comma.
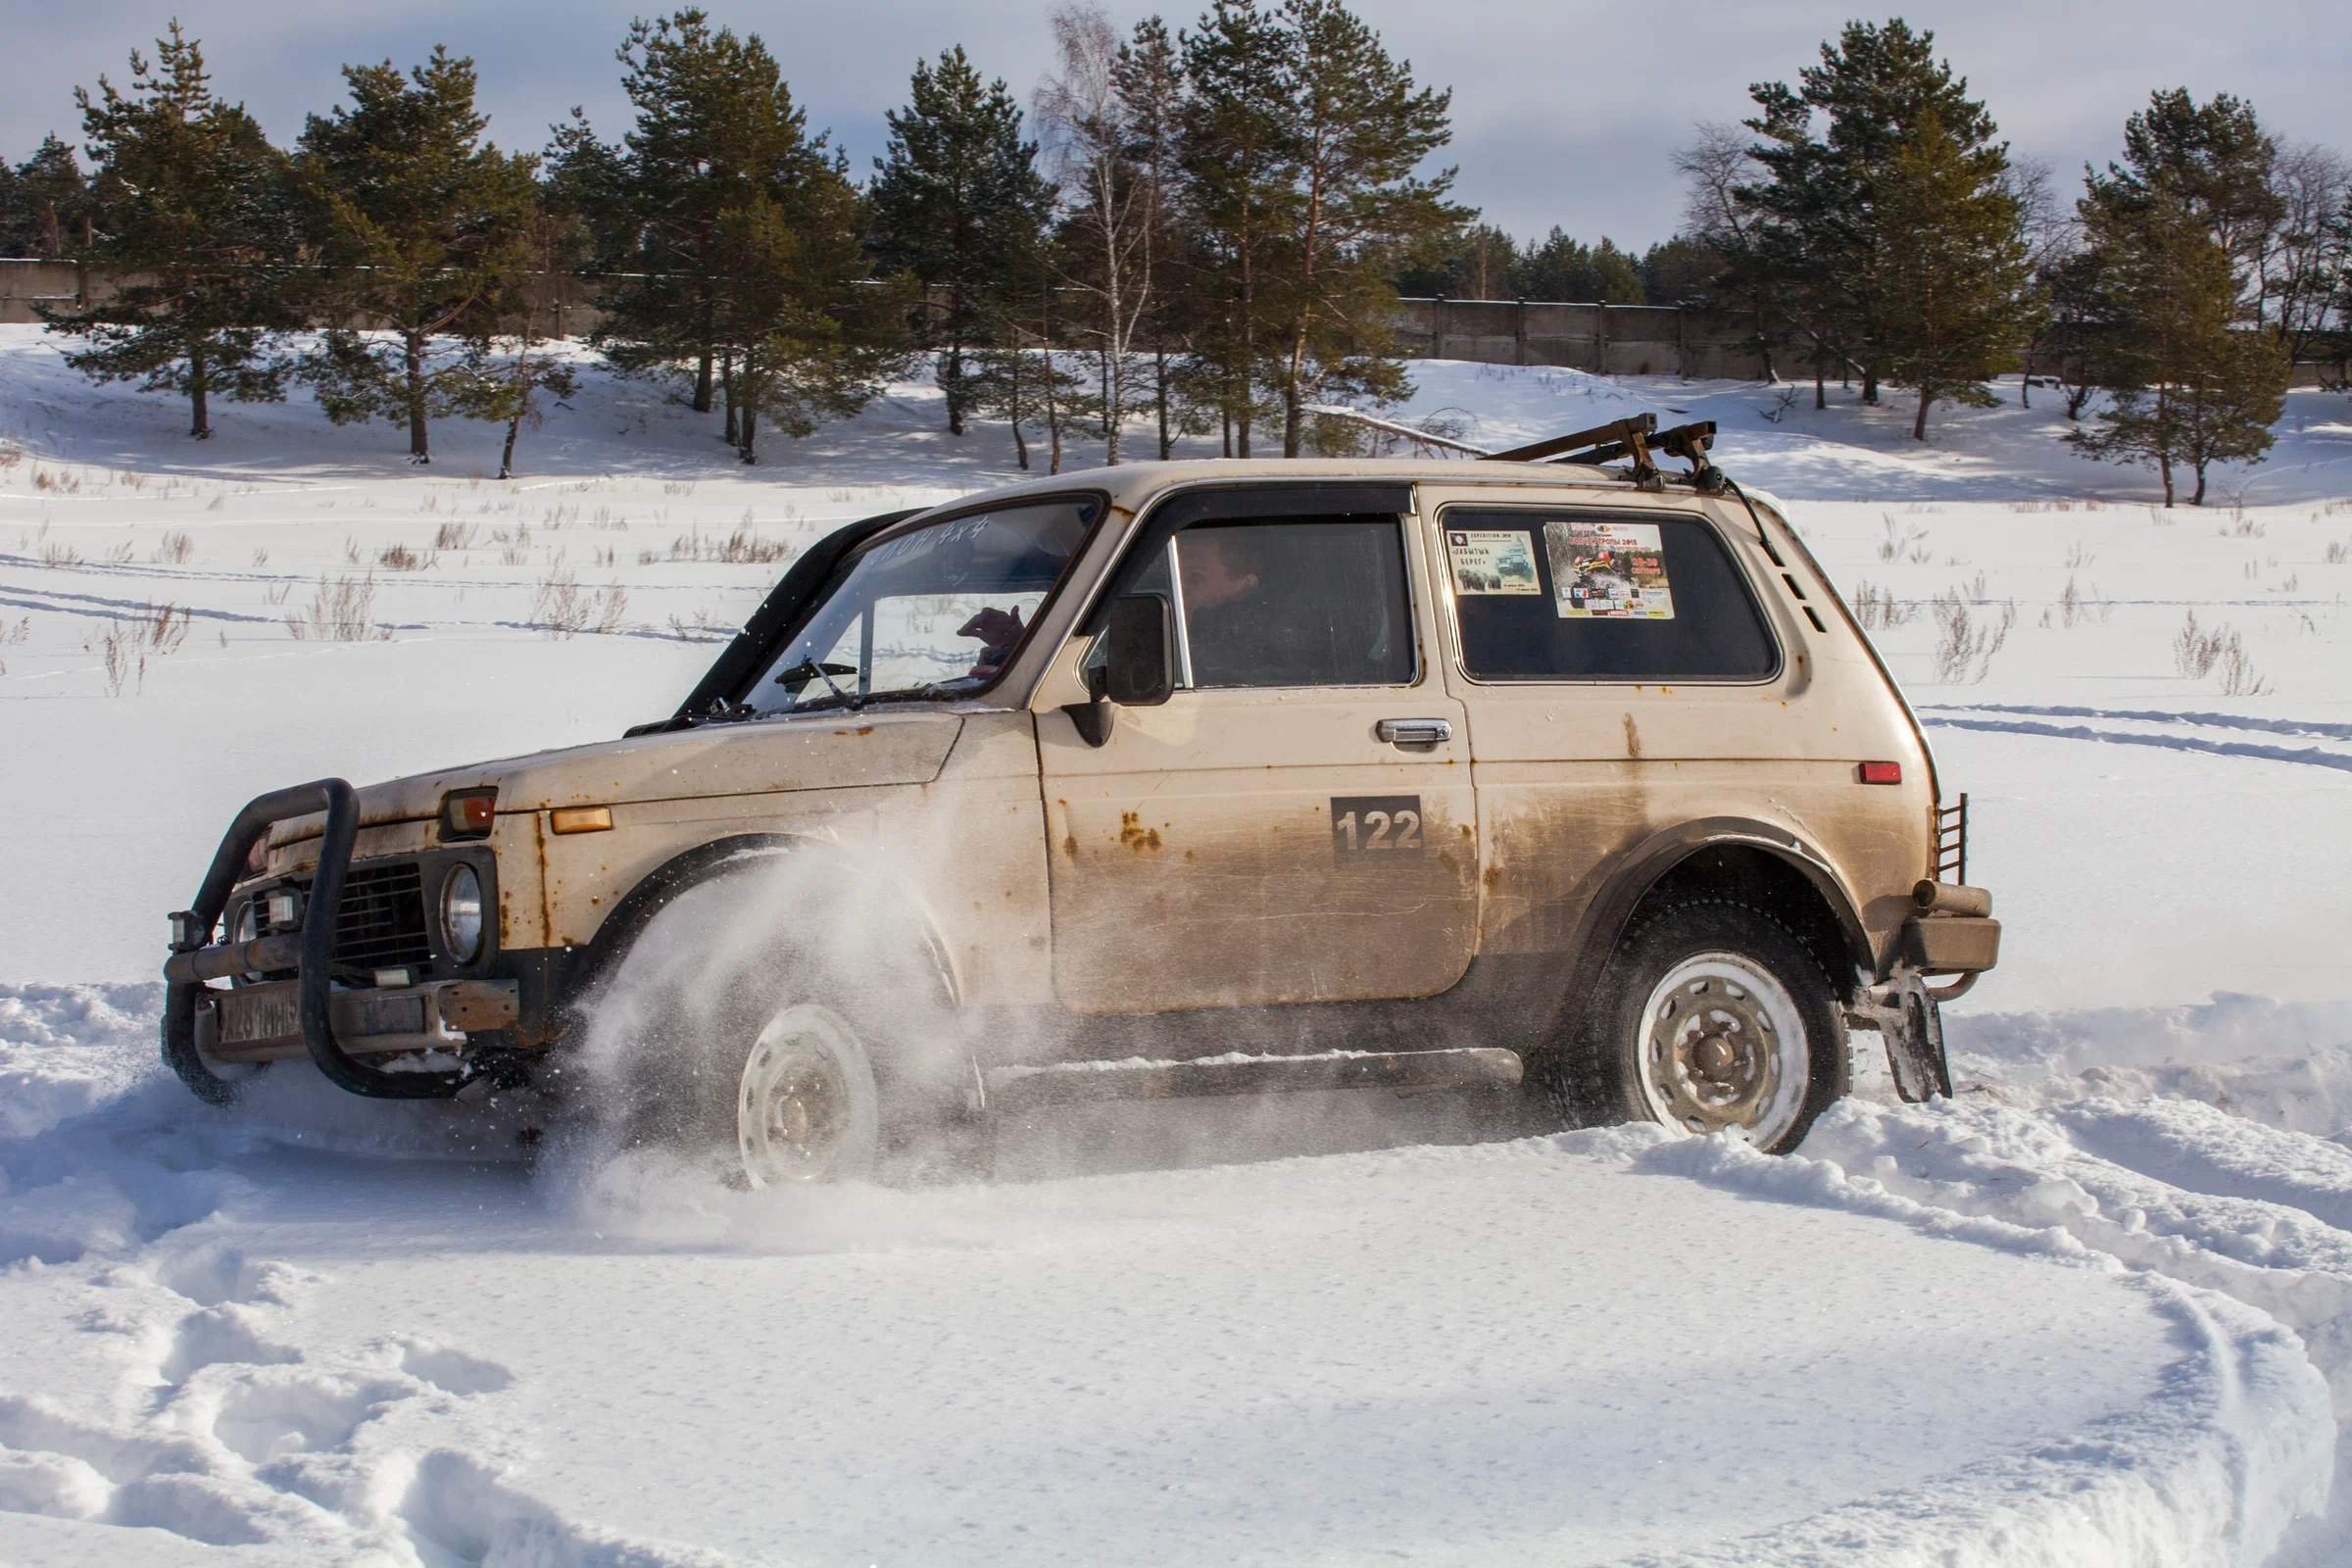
x: 1600, y: 595
x: 1320, y: 601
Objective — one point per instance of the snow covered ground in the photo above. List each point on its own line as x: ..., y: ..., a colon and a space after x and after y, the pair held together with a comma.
x: 2097, y: 1310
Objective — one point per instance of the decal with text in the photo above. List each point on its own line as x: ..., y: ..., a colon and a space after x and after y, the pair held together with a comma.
x: 1493, y: 561
x: 1607, y: 570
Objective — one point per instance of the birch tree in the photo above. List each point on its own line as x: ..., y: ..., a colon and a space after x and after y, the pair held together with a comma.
x: 1089, y: 132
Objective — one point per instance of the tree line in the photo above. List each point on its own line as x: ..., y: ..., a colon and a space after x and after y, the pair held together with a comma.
x: 1240, y: 196
x: 1223, y: 215
x: 1872, y: 226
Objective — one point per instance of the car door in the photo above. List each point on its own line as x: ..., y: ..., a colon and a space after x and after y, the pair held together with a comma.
x: 1296, y: 822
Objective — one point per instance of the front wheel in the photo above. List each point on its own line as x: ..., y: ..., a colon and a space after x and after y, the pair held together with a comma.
x: 807, y: 1105
x: 1711, y: 1017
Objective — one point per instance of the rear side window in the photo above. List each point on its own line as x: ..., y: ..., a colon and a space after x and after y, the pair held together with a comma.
x: 1600, y: 595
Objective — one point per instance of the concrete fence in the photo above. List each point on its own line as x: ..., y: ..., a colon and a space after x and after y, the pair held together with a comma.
x: 1615, y: 339
x: 25, y: 284
x: 1607, y: 339
x: 1610, y: 339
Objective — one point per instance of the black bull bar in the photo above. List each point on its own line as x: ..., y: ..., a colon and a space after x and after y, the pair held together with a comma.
x: 310, y: 953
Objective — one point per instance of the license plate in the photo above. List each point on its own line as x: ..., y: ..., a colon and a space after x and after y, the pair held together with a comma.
x: 387, y: 1015
x: 259, y: 1012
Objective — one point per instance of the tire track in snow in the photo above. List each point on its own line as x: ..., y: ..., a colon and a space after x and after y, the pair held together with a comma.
x: 2307, y: 756
x: 2175, y: 1188
x: 2311, y: 728
x: 2241, y: 1435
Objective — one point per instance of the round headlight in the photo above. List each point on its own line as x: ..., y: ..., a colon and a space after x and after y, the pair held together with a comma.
x: 248, y: 921
x: 461, y: 914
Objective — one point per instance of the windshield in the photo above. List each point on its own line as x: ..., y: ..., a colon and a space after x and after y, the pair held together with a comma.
x: 935, y: 611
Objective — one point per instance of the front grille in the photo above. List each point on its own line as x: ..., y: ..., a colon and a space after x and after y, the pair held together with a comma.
x: 381, y: 924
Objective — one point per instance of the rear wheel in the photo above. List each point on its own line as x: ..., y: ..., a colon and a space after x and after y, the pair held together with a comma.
x: 1711, y: 1017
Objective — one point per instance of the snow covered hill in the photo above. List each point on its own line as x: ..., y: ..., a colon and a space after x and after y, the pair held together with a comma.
x: 2097, y: 1310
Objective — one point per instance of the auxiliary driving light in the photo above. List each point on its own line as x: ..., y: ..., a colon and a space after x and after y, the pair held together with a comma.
x: 185, y: 938
x: 469, y: 813
x: 284, y: 907
x: 462, y: 914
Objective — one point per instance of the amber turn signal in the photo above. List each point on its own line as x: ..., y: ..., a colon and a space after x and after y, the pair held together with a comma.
x: 580, y: 820
x: 469, y: 813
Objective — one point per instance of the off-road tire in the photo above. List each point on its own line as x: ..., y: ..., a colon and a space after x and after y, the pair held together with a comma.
x: 1591, y: 1073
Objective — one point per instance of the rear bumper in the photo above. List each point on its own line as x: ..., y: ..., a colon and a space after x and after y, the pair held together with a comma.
x: 1949, y: 944
x: 264, y: 1022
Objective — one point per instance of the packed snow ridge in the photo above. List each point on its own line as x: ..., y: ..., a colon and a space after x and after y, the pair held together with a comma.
x: 2096, y: 1310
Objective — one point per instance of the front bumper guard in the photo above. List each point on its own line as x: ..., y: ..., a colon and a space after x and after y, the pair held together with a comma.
x: 309, y: 953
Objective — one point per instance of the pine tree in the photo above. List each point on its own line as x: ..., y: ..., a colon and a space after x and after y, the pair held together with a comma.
x: 1363, y: 130
x: 1562, y: 268
x: 423, y: 228
x: 53, y: 202
x: 16, y: 221
x: 200, y: 234
x: 1955, y: 250
x: 589, y: 180
x: 1239, y: 148
x: 1479, y: 262
x: 2079, y: 323
x: 525, y: 315
x: 956, y: 193
x: 1017, y: 376
x: 1682, y: 270
x: 671, y: 199
x: 2188, y: 383
x: 716, y: 129
x: 2213, y: 160
x: 1824, y: 233
x: 798, y: 343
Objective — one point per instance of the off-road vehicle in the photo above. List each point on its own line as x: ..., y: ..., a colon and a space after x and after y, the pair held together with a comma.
x: 1174, y: 778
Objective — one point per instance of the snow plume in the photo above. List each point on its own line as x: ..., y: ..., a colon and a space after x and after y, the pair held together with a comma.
x: 647, y: 1143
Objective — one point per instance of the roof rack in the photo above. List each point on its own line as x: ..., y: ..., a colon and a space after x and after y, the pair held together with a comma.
x: 1637, y: 438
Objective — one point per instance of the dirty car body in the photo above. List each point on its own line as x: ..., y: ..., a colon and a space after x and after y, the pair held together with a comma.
x: 1237, y: 775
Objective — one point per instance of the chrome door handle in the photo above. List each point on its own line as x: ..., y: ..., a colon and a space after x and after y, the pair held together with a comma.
x: 1415, y: 731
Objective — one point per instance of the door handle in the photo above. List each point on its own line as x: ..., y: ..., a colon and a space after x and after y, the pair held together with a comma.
x: 1415, y: 731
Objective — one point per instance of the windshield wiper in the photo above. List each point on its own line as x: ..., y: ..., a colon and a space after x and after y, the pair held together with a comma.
x: 808, y: 669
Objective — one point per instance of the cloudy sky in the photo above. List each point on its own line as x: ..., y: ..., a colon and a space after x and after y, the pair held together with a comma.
x: 1561, y: 114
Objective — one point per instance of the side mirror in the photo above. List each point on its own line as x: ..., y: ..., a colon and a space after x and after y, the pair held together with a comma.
x: 1139, y: 667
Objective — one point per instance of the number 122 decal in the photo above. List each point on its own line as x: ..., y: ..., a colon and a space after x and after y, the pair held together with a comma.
x: 1363, y: 826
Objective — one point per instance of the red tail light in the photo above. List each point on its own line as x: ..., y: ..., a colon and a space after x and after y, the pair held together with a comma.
x: 1882, y: 772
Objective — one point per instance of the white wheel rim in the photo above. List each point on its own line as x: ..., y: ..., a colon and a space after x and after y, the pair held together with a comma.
x: 805, y: 1103
x: 1723, y: 1049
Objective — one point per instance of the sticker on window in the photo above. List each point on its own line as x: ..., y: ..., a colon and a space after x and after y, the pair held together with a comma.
x: 1608, y: 571
x: 1493, y: 561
